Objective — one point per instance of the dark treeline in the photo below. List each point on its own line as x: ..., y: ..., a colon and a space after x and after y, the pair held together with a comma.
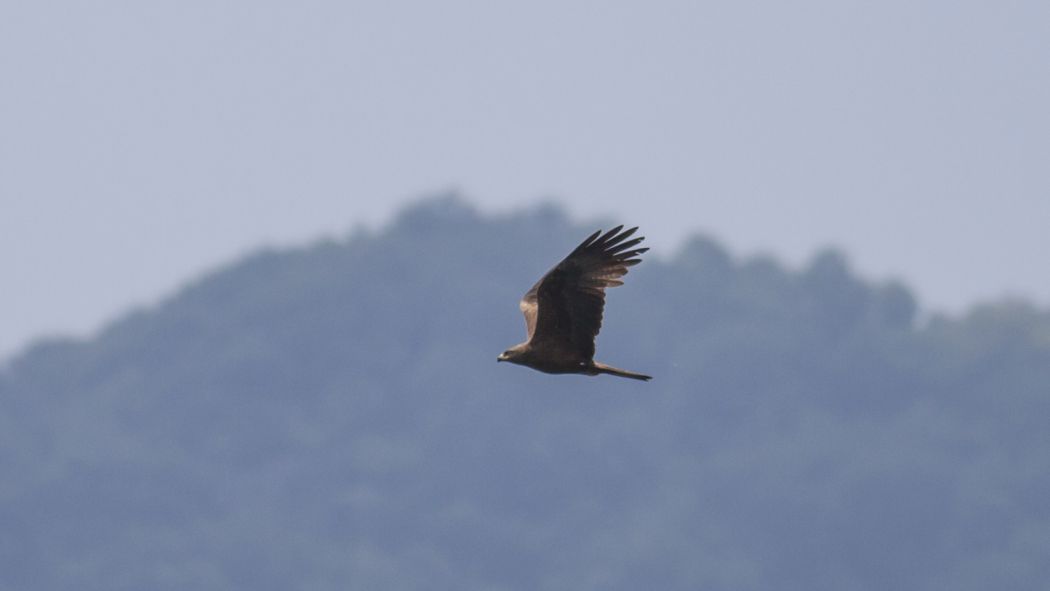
x: 333, y: 417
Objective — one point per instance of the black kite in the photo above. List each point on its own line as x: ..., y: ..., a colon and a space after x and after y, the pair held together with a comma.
x: 563, y: 311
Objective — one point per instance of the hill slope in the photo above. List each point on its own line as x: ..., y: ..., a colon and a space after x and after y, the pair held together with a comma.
x: 333, y: 417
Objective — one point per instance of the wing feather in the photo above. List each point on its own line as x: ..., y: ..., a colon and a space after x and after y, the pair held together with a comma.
x: 563, y: 311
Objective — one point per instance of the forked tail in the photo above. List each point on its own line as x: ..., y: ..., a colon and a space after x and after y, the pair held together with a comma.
x: 623, y: 373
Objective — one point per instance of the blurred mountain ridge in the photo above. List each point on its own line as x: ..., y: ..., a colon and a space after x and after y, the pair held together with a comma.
x: 332, y: 416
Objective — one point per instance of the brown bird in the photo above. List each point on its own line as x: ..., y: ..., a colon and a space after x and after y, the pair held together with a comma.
x: 563, y: 311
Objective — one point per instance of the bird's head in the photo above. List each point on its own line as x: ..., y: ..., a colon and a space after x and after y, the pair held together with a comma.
x: 512, y: 355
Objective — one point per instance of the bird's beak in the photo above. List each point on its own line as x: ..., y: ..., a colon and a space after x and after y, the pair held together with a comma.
x: 501, y: 357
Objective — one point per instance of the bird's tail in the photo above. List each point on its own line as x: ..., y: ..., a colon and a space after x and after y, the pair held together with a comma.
x: 623, y: 373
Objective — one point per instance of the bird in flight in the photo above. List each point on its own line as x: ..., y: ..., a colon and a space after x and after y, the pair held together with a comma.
x: 563, y: 311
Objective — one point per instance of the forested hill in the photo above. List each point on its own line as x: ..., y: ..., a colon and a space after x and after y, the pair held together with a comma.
x: 333, y: 417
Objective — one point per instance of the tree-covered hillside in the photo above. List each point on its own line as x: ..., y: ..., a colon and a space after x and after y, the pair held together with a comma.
x: 333, y: 417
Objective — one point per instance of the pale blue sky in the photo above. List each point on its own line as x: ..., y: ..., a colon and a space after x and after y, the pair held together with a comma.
x: 144, y: 142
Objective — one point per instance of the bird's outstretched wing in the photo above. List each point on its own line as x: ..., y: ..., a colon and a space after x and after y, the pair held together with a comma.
x: 563, y: 310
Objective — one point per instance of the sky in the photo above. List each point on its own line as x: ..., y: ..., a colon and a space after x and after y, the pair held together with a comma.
x: 143, y: 143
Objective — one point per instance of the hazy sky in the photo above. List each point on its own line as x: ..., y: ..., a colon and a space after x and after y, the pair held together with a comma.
x: 144, y: 142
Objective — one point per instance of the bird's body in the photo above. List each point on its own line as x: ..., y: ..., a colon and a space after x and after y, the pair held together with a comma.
x: 563, y: 311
